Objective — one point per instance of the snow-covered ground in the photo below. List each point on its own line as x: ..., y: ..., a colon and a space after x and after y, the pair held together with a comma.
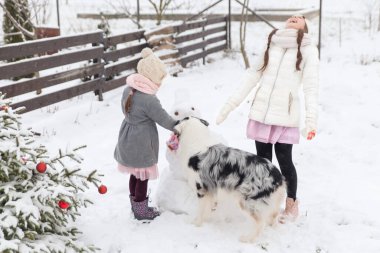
x: 338, y: 172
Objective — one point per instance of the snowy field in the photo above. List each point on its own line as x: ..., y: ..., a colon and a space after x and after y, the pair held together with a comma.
x: 338, y: 171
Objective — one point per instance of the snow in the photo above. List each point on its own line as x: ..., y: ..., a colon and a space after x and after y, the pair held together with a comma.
x: 338, y: 172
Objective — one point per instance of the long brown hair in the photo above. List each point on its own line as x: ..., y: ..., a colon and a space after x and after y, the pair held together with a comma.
x: 128, y: 103
x: 266, y: 55
x: 299, y: 42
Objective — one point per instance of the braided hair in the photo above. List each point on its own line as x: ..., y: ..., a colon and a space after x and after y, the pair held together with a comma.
x: 299, y: 55
x: 128, y: 103
x: 266, y: 55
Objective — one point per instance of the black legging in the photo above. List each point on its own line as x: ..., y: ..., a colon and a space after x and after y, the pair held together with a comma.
x: 284, y: 158
x: 138, y: 188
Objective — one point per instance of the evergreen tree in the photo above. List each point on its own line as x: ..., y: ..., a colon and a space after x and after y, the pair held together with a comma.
x: 19, y: 10
x: 40, y: 195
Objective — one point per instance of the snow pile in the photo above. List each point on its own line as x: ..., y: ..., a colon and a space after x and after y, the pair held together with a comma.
x: 173, y: 192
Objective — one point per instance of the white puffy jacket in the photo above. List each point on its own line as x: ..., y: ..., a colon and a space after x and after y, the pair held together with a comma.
x: 276, y: 101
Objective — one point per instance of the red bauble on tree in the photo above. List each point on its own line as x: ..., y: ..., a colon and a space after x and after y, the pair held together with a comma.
x: 3, y: 108
x: 63, y: 204
x: 41, y: 167
x: 102, y: 189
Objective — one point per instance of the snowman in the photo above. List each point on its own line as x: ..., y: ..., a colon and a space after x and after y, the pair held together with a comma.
x: 173, y: 192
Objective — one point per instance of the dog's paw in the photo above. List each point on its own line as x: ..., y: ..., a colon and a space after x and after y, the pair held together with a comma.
x: 246, y: 239
x: 197, y: 222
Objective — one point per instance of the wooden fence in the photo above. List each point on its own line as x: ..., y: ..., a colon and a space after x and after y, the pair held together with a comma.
x: 91, y: 62
x: 191, y: 41
x: 209, y: 37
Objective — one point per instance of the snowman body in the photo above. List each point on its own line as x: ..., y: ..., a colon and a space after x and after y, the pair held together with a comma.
x: 173, y: 192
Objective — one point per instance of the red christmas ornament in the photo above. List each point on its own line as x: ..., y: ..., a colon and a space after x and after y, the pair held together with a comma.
x: 4, y: 107
x: 63, y: 204
x: 41, y: 167
x: 102, y: 189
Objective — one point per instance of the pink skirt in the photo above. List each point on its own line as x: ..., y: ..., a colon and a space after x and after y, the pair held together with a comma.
x: 140, y: 173
x: 271, y: 134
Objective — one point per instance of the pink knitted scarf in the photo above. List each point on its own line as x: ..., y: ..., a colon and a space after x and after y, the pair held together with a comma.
x: 143, y: 84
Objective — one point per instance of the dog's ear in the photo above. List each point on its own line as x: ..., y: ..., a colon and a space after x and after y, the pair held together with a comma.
x: 204, y: 122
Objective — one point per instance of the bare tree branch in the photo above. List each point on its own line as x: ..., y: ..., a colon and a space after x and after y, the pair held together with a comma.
x: 243, y: 32
x: 160, y: 9
x: 125, y: 10
x: 154, y: 6
x: 39, y: 10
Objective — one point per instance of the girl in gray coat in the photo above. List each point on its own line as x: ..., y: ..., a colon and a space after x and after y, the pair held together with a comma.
x: 137, y: 148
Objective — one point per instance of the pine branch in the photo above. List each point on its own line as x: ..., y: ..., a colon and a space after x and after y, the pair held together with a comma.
x: 25, y: 32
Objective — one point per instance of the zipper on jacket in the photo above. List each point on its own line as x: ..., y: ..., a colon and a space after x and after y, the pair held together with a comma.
x: 274, y: 85
x: 254, y: 98
x: 290, y: 102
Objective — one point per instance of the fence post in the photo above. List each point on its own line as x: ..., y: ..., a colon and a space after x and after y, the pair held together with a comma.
x: 229, y: 25
x: 98, y: 92
x: 320, y: 29
x: 204, y: 46
x: 138, y: 15
x: 228, y: 33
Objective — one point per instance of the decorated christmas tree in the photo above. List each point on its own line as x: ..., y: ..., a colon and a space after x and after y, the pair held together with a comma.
x: 40, y: 195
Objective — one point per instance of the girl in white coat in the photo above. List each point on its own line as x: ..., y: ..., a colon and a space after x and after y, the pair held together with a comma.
x: 289, y: 63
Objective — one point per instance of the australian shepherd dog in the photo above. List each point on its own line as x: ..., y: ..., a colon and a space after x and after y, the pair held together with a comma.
x: 211, y: 167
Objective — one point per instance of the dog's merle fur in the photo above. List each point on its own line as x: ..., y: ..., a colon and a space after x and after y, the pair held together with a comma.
x: 257, y: 184
x: 235, y: 170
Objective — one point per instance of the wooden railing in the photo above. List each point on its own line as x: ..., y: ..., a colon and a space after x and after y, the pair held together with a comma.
x: 122, y: 59
x: 90, y: 62
x: 208, y: 37
x: 44, y: 62
x: 192, y: 40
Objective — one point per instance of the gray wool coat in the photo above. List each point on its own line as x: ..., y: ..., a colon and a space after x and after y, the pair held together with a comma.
x: 138, y: 144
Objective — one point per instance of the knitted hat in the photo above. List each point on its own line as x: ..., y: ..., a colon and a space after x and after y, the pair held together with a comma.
x: 151, y: 66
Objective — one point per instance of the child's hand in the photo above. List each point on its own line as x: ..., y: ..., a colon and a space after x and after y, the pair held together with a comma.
x: 173, y: 142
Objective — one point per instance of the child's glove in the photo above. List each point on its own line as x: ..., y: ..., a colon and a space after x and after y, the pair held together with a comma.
x: 172, y: 143
x: 308, y: 134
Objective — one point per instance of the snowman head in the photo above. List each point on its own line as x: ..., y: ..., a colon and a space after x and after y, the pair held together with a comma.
x: 183, y: 107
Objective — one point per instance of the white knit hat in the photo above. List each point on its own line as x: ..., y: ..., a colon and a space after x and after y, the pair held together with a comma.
x: 151, y: 66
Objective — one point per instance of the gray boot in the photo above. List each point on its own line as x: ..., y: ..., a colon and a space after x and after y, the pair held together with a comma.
x: 142, y: 211
x: 131, y: 198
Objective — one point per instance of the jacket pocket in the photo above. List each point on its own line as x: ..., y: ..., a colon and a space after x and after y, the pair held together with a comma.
x: 290, y: 102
